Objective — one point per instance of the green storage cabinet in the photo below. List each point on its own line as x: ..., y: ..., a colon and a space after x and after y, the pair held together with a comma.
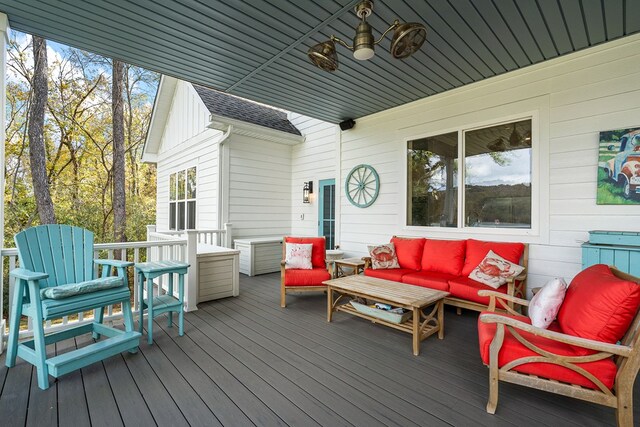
x: 619, y: 248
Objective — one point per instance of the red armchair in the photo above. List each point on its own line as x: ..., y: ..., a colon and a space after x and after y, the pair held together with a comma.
x: 591, y: 352
x: 298, y: 280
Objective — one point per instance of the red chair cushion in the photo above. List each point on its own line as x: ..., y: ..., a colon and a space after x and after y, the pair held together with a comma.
x: 467, y: 289
x: 318, y: 251
x: 478, y: 249
x: 443, y: 256
x: 428, y: 279
x: 599, y: 305
x: 409, y: 252
x: 605, y: 370
x: 313, y: 277
x: 394, y: 274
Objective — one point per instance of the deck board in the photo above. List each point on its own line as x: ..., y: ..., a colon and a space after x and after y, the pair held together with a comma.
x: 245, y: 361
x: 72, y: 402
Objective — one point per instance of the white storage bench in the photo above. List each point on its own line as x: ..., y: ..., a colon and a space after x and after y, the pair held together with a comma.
x: 218, y: 272
x: 259, y: 255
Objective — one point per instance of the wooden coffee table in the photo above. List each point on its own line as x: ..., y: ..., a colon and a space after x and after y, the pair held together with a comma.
x: 414, y: 298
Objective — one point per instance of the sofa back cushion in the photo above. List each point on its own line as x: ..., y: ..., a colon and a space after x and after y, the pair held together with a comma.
x: 409, y: 252
x: 599, y: 305
x: 478, y: 249
x: 443, y: 256
x: 318, y: 251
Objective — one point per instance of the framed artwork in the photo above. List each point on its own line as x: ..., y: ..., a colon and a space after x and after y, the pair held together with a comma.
x: 619, y: 167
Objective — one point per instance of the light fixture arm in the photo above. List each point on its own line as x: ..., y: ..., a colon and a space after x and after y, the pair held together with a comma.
x: 392, y: 27
x: 342, y: 42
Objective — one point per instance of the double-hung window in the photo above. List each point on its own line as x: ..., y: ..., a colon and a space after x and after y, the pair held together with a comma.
x: 182, y: 199
x: 472, y: 178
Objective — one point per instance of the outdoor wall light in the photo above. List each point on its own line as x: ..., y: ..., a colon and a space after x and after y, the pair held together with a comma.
x: 407, y: 39
x: 306, y: 191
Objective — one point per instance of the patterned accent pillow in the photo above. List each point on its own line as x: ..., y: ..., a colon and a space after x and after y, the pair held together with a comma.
x: 494, y: 270
x: 544, y: 305
x: 298, y: 255
x: 383, y: 256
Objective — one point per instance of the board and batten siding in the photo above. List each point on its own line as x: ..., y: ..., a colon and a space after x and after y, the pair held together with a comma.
x: 259, y: 194
x: 187, y: 142
x: 313, y: 160
x: 571, y: 99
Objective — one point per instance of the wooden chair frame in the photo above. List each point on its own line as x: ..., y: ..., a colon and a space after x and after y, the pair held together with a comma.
x: 287, y: 289
x: 626, y: 356
x: 516, y: 287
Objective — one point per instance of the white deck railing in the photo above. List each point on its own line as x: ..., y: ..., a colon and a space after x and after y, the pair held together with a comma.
x: 135, y: 251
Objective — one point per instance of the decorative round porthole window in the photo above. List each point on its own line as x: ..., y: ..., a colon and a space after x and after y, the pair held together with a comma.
x: 362, y: 186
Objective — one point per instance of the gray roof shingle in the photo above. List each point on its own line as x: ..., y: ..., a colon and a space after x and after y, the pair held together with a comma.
x: 222, y: 104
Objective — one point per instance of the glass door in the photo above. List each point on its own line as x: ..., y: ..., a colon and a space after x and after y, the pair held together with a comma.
x: 327, y: 211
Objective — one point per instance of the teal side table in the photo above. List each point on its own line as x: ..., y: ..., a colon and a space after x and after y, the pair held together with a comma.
x: 147, y: 271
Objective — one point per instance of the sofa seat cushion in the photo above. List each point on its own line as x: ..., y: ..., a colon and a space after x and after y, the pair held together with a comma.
x: 318, y: 253
x: 444, y: 256
x: 313, y: 277
x: 478, y: 249
x: 599, y: 305
x: 409, y: 252
x: 605, y: 370
x: 394, y: 274
x: 467, y: 289
x: 427, y: 279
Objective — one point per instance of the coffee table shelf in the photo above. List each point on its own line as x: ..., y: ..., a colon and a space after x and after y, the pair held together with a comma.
x: 413, y: 298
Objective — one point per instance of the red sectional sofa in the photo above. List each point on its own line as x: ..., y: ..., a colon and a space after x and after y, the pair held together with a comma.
x: 446, y: 264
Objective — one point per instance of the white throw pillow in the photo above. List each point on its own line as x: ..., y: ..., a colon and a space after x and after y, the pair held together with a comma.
x: 298, y: 255
x: 383, y: 256
x: 494, y: 270
x: 544, y: 305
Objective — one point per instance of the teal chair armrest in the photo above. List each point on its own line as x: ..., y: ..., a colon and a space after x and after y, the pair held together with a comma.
x: 107, y: 264
x: 113, y: 262
x: 24, y: 274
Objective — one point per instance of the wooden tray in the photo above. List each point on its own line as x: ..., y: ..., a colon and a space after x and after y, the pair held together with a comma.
x: 381, y: 314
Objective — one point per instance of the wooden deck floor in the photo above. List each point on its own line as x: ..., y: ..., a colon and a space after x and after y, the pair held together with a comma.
x: 244, y: 361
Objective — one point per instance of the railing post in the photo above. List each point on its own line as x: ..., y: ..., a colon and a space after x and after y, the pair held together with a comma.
x: 152, y: 253
x: 191, y: 291
x: 228, y: 238
x: 151, y: 228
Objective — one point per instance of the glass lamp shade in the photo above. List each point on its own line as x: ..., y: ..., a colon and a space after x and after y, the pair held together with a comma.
x: 324, y: 56
x: 407, y: 39
x: 364, y: 53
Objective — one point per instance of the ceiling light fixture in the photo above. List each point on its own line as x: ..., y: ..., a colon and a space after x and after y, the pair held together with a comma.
x: 407, y: 39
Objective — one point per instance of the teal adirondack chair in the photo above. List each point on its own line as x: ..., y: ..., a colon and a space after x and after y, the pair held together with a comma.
x: 56, y: 278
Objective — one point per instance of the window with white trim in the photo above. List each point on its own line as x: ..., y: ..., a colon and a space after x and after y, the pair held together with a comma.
x: 492, y: 165
x: 182, y: 199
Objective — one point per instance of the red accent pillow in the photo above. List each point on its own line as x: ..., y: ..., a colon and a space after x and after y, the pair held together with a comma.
x: 318, y: 251
x: 599, y: 305
x: 478, y: 249
x: 409, y: 252
x: 443, y: 256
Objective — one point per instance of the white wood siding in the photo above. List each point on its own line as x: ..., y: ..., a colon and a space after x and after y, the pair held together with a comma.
x: 259, y: 187
x: 574, y: 98
x: 313, y: 160
x: 187, y: 142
